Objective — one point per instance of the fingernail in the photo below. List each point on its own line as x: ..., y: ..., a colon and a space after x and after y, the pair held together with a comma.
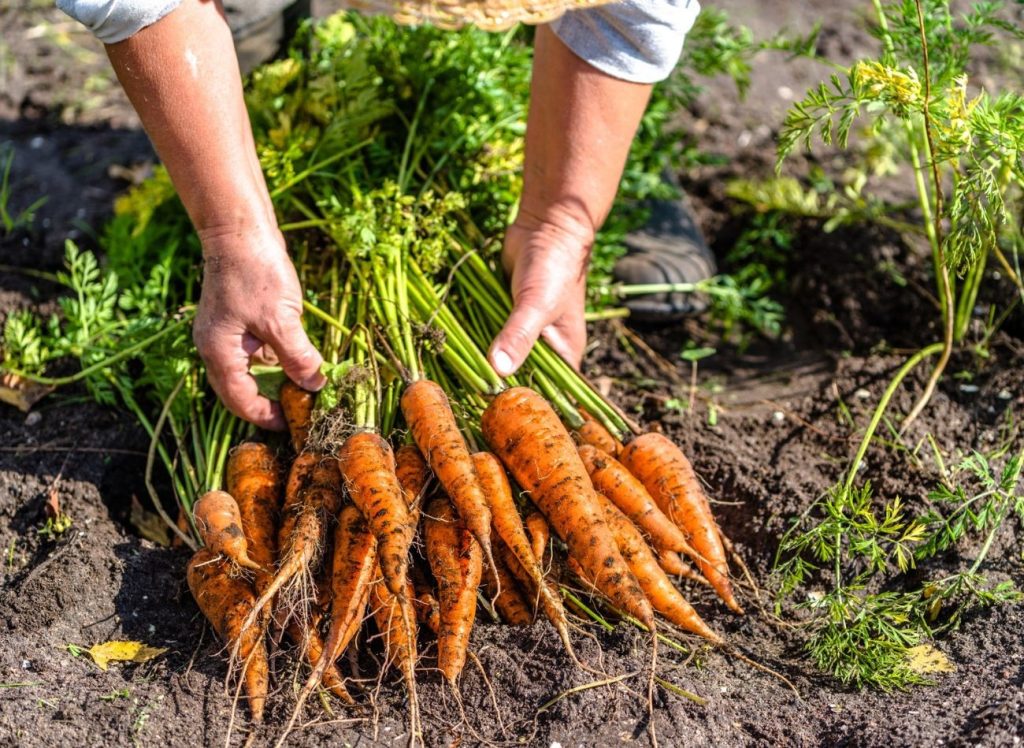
x: 503, y: 363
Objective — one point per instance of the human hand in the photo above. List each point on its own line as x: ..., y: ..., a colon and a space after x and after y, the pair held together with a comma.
x: 251, y: 309
x: 547, y: 262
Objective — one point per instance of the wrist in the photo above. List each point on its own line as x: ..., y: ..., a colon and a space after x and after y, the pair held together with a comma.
x: 565, y: 221
x: 233, y: 244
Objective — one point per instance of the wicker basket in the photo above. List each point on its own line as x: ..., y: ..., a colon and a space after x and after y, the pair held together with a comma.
x: 490, y: 15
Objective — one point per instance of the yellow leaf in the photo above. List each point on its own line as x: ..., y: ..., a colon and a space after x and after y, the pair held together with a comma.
x: 925, y: 658
x: 107, y: 652
x: 149, y: 524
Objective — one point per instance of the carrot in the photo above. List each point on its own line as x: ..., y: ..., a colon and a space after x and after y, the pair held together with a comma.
x: 253, y: 477
x: 540, y: 537
x: 308, y: 639
x: 509, y: 528
x: 220, y: 525
x: 226, y: 600
x: 457, y: 563
x: 653, y: 581
x: 297, y: 405
x: 592, y: 432
x: 392, y: 614
x: 428, y: 610
x: 413, y: 476
x: 529, y: 438
x: 668, y: 476
x: 368, y: 464
x: 614, y: 482
x: 354, y: 564
x: 432, y: 423
x: 312, y: 494
x: 503, y: 590
x: 672, y: 564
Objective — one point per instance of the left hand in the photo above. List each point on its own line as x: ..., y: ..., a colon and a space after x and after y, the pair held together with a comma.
x: 547, y: 262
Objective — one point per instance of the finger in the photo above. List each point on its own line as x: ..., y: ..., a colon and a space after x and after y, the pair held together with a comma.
x: 237, y: 390
x: 568, y: 341
x: 513, y: 344
x: 298, y: 357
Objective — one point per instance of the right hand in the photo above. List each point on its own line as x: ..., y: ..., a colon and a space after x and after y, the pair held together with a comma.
x: 251, y: 308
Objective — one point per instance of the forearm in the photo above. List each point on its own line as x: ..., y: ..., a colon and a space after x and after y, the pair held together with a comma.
x: 182, y: 77
x: 579, y: 130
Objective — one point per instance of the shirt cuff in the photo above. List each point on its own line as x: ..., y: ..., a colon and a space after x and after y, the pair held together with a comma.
x: 113, y: 21
x: 633, y: 40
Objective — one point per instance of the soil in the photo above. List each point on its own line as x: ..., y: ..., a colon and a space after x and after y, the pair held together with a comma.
x: 777, y: 442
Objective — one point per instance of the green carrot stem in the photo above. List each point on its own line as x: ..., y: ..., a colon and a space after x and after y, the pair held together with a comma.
x: 883, y: 404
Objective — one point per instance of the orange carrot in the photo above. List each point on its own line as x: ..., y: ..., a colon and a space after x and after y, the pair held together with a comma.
x: 428, y: 610
x: 297, y: 405
x: 253, y: 477
x: 308, y: 639
x: 220, y: 526
x: 392, y: 615
x: 354, y: 564
x: 432, y: 423
x: 614, y: 482
x: 653, y: 581
x: 368, y: 464
x: 226, y: 601
x: 529, y: 438
x: 668, y: 476
x: 503, y: 590
x: 592, y: 432
x: 540, y: 537
x: 509, y: 528
x: 413, y: 475
x: 457, y: 563
x: 671, y: 563
x: 311, y: 496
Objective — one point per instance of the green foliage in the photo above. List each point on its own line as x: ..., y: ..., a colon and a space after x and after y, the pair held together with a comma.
x: 978, y: 143
x: 862, y: 635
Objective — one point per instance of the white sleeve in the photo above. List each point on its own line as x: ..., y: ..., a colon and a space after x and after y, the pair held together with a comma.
x: 634, y: 40
x: 112, y: 21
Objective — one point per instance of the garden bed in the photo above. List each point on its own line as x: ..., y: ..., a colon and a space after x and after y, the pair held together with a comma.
x: 775, y: 443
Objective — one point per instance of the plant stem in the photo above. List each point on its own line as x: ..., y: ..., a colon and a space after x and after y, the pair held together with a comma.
x: 105, y: 363
x: 946, y: 291
x: 883, y: 404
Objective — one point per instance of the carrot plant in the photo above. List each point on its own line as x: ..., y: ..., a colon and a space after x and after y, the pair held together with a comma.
x: 964, y: 149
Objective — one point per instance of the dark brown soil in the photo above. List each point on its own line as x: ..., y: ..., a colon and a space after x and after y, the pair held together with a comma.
x: 777, y: 445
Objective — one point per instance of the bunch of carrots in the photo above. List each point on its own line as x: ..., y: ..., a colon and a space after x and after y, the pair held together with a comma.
x: 419, y: 486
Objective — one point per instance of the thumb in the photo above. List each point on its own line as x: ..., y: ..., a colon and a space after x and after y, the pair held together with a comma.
x: 298, y: 357
x: 513, y: 344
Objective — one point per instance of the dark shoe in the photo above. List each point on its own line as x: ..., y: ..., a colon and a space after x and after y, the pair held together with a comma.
x: 670, y: 248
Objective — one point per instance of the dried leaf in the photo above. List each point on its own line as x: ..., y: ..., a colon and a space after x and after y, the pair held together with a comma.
x: 150, y: 525
x: 21, y: 393
x: 118, y: 651
x: 925, y: 658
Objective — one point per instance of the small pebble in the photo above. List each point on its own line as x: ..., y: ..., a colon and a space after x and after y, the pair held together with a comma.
x: 778, y: 418
x: 33, y: 418
x: 862, y: 394
x: 37, y: 142
x: 151, y: 629
x: 1004, y: 395
x: 785, y: 93
x: 26, y: 665
x: 556, y: 744
x: 968, y: 389
x: 744, y: 138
